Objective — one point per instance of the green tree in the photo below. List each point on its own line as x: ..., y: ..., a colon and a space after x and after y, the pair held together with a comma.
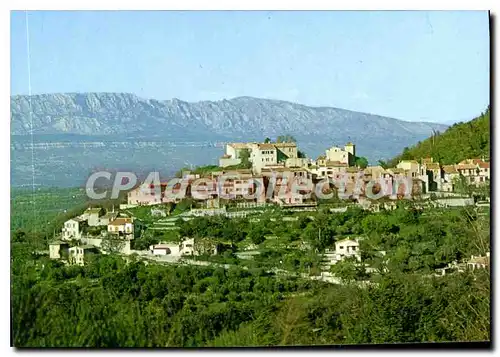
x: 286, y: 139
x: 349, y: 269
x: 112, y: 245
x: 245, y: 158
x: 361, y: 162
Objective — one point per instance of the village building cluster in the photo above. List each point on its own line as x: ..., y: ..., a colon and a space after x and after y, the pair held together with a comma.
x: 86, y: 233
x: 275, y: 173
x: 278, y: 175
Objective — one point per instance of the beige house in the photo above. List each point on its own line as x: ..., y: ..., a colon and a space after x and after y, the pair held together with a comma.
x: 58, y: 249
x: 344, y: 155
x: 480, y: 262
x: 122, y: 226
x: 330, y: 169
x: 263, y: 155
x: 411, y: 167
x: 239, y: 184
x: 108, y: 217
x: 374, y: 172
x: 232, y: 156
x: 467, y: 170
x: 484, y: 170
x: 475, y: 171
x: 297, y: 162
x: 450, y: 175
x: 321, y: 160
x: 288, y: 149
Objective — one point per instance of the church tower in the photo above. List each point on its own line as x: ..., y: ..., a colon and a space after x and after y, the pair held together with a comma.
x: 351, y: 149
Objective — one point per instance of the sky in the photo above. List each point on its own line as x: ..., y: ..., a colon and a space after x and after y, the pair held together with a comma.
x: 411, y: 65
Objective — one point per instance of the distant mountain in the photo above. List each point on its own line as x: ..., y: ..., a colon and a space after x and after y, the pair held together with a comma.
x: 460, y: 141
x: 114, y: 126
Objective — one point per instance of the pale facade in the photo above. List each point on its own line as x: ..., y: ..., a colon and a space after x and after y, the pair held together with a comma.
x: 57, y: 249
x: 121, y: 226
x: 187, y: 247
x: 412, y: 167
x: 338, y: 154
x: 450, y: 175
x: 77, y: 254
x: 72, y: 228
x: 329, y: 169
x: 297, y: 162
x: 92, y: 215
x: 375, y: 172
x: 166, y: 249
x: 289, y: 149
x: 232, y: 154
x: 146, y: 195
x: 108, y: 217
x: 347, y: 248
x: 479, y: 262
x: 263, y: 155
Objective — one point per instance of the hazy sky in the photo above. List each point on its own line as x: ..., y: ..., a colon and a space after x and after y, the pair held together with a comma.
x: 431, y: 66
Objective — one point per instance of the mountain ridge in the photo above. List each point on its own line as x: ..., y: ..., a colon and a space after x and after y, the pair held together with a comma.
x: 116, y: 130
x: 98, y: 109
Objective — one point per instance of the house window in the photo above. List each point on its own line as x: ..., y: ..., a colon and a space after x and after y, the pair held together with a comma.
x: 341, y: 247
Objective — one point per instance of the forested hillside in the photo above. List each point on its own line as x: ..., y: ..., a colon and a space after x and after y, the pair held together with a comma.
x: 458, y: 142
x: 115, y: 302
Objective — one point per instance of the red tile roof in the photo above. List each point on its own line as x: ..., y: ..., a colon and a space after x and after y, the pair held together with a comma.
x: 121, y: 221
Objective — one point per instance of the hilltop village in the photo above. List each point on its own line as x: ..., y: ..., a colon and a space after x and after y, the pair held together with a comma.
x: 281, y: 164
x: 276, y: 167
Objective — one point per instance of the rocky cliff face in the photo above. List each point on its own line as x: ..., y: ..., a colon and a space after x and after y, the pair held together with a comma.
x: 109, y: 128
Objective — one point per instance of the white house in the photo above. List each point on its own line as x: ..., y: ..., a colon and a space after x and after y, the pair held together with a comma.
x: 92, y: 215
x: 72, y: 228
x: 165, y: 249
x: 347, y: 248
